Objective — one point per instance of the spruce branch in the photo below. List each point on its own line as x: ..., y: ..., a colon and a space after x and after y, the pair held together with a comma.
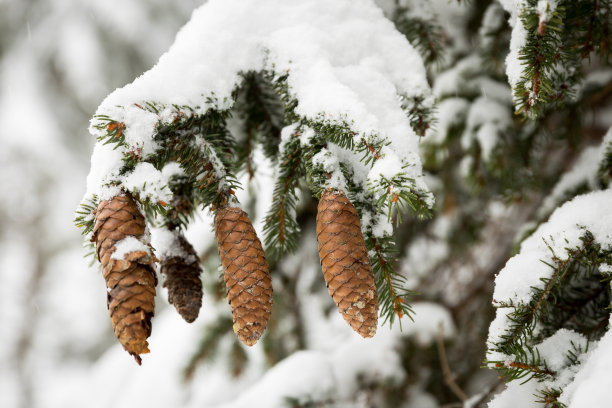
x: 259, y: 104
x: 84, y: 215
x: 575, y: 297
x: 281, y: 228
x: 424, y: 34
x: 393, y: 297
x: 542, y: 51
x: 113, y: 130
x: 420, y: 111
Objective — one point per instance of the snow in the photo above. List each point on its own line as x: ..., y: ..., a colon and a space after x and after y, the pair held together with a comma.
x: 514, y: 66
x: 426, y: 252
x: 591, y: 386
x: 151, y: 183
x: 605, y: 149
x: 346, y: 63
x: 332, y: 370
x: 329, y: 163
x: 485, y: 121
x: 304, y: 374
x: 589, y: 212
x: 584, y: 385
x: 128, y: 245
x: 553, y: 349
x: 517, y: 395
x: 528, y: 270
x: 545, y: 9
x: 167, y: 245
x: 450, y: 81
x: 450, y: 112
x: 105, y: 163
x: 492, y: 20
x: 583, y: 172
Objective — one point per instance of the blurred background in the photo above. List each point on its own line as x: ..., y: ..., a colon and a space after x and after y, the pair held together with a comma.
x: 59, y: 59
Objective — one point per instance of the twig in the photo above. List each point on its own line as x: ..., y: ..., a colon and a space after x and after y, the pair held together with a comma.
x: 448, y: 375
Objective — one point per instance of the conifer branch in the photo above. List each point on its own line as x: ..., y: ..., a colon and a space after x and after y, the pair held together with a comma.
x: 576, y: 277
x: 281, y: 228
x: 392, y: 295
x: 424, y: 34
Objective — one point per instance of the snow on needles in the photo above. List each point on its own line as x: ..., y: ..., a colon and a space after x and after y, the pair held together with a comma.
x: 562, y: 232
x: 345, y: 60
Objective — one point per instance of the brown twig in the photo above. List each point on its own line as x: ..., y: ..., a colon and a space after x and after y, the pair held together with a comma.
x: 449, y: 378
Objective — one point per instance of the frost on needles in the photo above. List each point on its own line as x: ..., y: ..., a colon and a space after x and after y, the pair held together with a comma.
x: 331, y: 92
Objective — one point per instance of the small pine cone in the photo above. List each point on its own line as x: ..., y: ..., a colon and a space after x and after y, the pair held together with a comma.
x: 130, y: 280
x: 182, y: 278
x: 345, y: 263
x: 245, y: 271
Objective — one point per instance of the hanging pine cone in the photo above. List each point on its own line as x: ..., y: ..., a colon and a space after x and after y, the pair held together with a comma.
x: 182, y: 278
x: 130, y: 280
x: 245, y: 271
x: 345, y: 263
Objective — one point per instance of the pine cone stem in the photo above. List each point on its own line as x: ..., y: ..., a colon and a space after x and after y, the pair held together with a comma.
x: 345, y: 263
x: 127, y: 269
x: 245, y: 271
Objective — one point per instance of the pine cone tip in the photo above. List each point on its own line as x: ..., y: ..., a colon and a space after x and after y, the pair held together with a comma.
x: 246, y: 336
x: 188, y: 307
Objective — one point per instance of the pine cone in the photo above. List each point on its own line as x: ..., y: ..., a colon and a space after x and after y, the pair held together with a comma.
x: 345, y: 263
x: 182, y: 278
x: 245, y: 271
x: 131, y: 280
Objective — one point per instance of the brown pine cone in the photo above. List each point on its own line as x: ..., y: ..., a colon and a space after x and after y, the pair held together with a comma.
x: 182, y: 278
x: 345, y: 263
x: 130, y: 280
x: 245, y: 271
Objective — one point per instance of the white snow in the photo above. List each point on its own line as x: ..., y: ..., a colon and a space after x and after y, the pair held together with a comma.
x: 127, y: 245
x: 486, y: 119
x: 346, y: 63
x: 332, y: 370
x: 514, y: 66
x: 450, y: 112
x: 517, y: 395
x: 591, y: 386
x: 450, y: 81
x: 589, y: 212
x: 584, y: 171
x: 553, y: 349
x: 329, y: 163
x: 605, y: 149
x: 167, y: 245
x: 151, y: 183
x: 545, y: 9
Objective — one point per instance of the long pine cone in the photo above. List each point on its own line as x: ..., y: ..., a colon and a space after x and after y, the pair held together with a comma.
x: 182, y: 278
x: 345, y: 263
x: 130, y: 280
x: 245, y: 271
